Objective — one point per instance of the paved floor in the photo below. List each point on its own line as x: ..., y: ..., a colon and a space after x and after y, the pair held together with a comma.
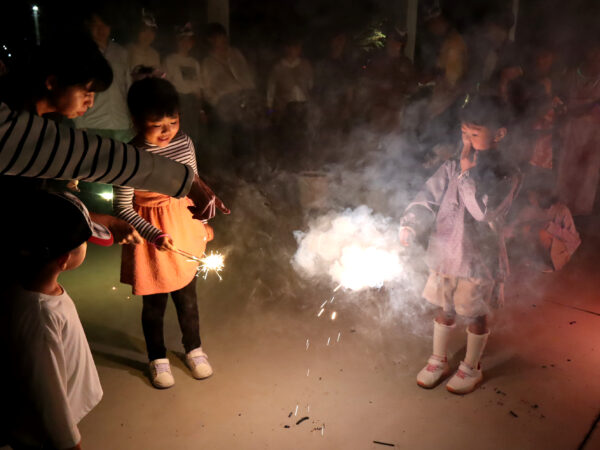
x: 542, y: 368
x: 542, y: 365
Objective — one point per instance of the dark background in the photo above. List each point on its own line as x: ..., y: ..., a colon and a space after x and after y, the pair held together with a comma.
x: 258, y: 26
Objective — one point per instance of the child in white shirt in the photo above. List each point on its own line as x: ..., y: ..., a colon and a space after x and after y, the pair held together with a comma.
x: 50, y: 370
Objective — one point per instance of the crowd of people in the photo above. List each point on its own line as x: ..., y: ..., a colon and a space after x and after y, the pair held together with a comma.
x: 506, y: 138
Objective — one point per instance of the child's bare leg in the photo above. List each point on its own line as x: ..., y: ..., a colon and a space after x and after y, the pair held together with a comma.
x: 447, y: 318
x: 478, y: 325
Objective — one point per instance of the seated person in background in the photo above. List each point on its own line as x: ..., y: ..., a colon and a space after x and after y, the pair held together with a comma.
x: 50, y: 381
x: 543, y: 233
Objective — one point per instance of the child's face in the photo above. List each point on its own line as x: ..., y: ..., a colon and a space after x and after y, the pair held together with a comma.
x: 160, y: 132
x: 293, y: 51
x: 481, y: 137
x: 99, y: 30
x: 219, y: 41
x: 185, y: 43
x: 72, y: 101
x: 146, y: 36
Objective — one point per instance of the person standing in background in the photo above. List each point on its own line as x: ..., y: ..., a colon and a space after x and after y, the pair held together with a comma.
x: 183, y: 71
x: 141, y: 52
x: 108, y: 117
x: 229, y: 89
x: 579, y: 160
x: 288, y: 94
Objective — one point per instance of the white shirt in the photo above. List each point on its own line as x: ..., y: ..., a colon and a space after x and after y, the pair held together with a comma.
x: 54, y: 382
x: 184, y: 73
x: 225, y: 77
x: 290, y: 81
x: 110, y: 107
x: 142, y: 56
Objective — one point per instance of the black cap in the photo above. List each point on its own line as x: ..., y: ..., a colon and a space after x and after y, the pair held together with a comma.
x: 52, y: 224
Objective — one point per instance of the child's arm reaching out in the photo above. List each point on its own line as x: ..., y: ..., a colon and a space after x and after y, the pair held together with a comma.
x: 420, y: 213
x: 123, y: 208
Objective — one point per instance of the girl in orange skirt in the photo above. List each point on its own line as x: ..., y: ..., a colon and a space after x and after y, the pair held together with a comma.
x: 166, y: 224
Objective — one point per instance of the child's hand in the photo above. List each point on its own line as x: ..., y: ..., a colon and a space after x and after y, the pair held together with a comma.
x: 165, y: 243
x: 468, y: 157
x: 407, y: 236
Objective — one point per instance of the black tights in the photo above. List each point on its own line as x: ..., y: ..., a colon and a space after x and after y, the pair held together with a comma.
x: 153, y: 314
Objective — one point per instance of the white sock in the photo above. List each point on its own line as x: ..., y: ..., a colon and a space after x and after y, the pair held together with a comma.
x: 475, y: 346
x: 441, y: 337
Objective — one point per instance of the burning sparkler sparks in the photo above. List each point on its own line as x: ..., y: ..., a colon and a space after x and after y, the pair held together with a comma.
x: 214, y: 262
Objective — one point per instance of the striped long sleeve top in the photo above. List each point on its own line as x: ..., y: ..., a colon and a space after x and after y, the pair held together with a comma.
x: 31, y: 146
x: 181, y: 150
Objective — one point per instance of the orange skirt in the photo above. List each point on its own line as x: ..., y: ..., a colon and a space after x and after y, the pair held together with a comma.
x: 151, y: 271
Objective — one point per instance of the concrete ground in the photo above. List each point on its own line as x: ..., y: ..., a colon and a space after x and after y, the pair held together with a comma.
x: 542, y: 366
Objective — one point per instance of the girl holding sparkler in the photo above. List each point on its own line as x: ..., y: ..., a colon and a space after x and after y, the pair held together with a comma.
x: 465, y: 202
x: 150, y: 268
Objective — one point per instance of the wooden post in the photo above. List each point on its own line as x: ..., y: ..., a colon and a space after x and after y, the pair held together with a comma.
x: 515, y: 10
x: 218, y: 11
x: 412, y: 8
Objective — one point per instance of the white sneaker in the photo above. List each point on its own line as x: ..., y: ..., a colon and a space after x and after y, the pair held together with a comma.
x: 160, y: 374
x: 198, y: 363
x: 465, y: 380
x: 436, y: 369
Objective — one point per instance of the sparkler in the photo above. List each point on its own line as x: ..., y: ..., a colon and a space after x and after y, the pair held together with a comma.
x: 213, y: 262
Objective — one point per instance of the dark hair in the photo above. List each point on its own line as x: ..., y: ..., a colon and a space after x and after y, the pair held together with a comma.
x: 152, y: 98
x: 504, y: 19
x: 105, y: 12
x: 72, y: 60
x: 485, y: 110
x: 214, y: 29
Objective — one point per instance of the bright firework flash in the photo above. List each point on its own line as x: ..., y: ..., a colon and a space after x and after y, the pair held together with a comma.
x: 213, y: 262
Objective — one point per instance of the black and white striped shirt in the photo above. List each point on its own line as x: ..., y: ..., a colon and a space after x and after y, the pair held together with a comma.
x: 31, y: 146
x: 181, y: 150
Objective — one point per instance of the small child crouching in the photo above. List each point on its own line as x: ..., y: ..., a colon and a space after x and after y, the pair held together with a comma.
x: 465, y: 204
x: 49, y: 376
x: 542, y: 232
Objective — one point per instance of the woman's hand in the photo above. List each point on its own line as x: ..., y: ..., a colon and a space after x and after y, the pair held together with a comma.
x: 205, y: 201
x: 123, y: 233
x: 165, y: 243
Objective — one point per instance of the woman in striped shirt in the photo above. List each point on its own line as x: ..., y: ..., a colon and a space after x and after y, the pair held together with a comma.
x: 152, y: 268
